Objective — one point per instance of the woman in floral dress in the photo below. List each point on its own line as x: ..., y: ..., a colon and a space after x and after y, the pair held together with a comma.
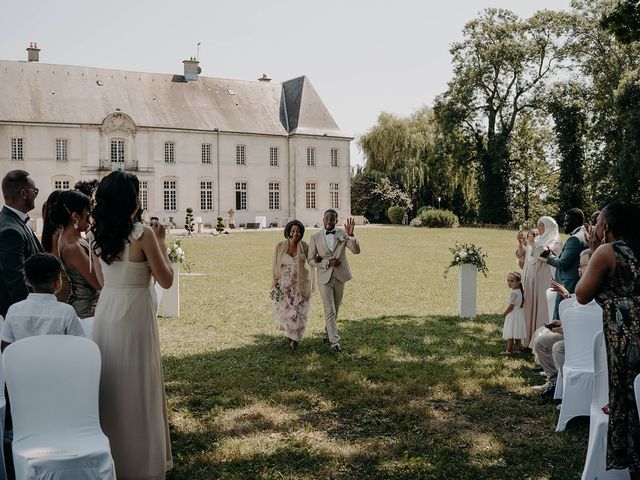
x: 291, y: 284
x: 613, y: 279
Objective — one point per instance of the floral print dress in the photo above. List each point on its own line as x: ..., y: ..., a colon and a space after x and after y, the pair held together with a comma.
x: 292, y: 311
x: 620, y: 302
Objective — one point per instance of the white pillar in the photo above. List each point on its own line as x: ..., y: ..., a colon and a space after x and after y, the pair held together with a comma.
x: 170, y: 303
x: 467, y: 290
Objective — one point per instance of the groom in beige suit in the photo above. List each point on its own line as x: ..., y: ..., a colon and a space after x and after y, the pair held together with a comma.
x: 328, y: 254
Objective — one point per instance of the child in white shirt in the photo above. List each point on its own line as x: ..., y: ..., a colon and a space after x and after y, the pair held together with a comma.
x: 41, y: 313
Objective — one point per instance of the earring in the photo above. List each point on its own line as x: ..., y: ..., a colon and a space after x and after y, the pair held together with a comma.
x: 75, y: 225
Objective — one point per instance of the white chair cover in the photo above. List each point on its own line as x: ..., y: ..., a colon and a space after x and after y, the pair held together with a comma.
x: 595, y: 462
x: 87, y: 325
x: 579, y: 325
x: 53, y: 383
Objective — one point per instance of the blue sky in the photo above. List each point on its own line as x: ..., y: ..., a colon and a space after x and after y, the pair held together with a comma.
x: 363, y: 57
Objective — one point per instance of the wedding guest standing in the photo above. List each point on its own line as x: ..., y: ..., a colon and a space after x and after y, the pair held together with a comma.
x: 71, y: 211
x: 51, y: 232
x: 291, y: 277
x: 327, y: 252
x: 538, y: 278
x: 613, y: 279
x: 17, y: 240
x: 133, y: 407
x: 566, y: 263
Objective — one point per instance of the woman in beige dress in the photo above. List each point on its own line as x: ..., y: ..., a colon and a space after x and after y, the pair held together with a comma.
x: 133, y: 407
x: 290, y: 276
x: 537, y: 279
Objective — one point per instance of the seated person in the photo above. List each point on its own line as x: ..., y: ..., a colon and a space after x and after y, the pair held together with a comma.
x: 549, y: 347
x: 41, y: 313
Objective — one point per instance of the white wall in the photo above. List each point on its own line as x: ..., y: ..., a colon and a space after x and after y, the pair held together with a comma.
x: 87, y: 145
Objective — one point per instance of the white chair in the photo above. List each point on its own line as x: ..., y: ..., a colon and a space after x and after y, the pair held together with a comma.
x: 87, y: 325
x: 595, y: 461
x: 53, y: 383
x: 564, y: 305
x: 579, y: 325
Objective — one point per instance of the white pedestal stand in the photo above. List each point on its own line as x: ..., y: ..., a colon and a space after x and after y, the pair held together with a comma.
x: 170, y: 304
x: 467, y: 290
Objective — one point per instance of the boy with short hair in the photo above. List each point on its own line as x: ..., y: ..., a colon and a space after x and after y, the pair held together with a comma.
x: 40, y: 313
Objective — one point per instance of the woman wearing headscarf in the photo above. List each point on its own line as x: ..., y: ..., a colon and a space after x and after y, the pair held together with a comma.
x: 538, y: 278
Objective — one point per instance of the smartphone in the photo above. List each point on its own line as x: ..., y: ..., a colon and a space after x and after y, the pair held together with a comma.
x: 545, y: 254
x: 154, y: 218
x: 551, y: 325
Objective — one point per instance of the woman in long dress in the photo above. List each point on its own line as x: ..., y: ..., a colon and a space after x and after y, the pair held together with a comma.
x: 133, y: 407
x: 537, y: 279
x: 291, y: 277
x: 71, y: 211
x: 613, y: 279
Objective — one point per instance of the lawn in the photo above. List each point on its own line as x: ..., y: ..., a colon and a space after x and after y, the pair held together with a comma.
x: 416, y: 392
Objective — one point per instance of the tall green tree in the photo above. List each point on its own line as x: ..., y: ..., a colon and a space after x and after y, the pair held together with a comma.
x: 607, y: 67
x: 499, y: 70
x: 534, y: 179
x: 568, y: 108
x: 412, y: 152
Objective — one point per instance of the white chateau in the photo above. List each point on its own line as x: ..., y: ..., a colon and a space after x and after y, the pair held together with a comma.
x: 262, y: 149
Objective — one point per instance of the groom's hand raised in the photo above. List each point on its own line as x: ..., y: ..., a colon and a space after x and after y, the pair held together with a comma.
x: 349, y: 225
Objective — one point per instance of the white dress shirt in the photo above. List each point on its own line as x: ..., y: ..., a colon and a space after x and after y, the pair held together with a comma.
x: 40, y: 314
x: 21, y: 215
x: 330, y: 239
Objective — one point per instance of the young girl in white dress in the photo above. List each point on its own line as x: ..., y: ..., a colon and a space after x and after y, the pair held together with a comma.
x: 514, y: 329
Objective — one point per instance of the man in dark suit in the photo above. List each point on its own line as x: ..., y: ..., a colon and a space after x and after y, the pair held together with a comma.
x: 17, y: 241
x: 567, y: 262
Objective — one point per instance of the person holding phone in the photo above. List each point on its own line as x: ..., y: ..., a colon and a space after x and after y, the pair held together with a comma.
x: 566, y: 264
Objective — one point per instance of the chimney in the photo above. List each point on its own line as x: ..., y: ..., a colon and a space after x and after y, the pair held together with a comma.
x: 191, y: 69
x: 264, y: 78
x: 33, y: 52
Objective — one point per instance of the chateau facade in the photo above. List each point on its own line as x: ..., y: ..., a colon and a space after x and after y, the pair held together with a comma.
x: 263, y: 149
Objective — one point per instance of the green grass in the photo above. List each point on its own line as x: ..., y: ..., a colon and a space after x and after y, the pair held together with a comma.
x: 416, y: 392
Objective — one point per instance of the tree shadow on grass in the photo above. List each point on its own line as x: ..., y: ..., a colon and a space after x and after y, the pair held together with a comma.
x: 409, y: 397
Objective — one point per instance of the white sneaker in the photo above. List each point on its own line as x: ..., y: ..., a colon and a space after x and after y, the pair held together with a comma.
x: 541, y: 388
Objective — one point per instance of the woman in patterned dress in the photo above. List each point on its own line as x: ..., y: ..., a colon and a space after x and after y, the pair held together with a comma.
x: 613, y: 279
x: 291, y: 276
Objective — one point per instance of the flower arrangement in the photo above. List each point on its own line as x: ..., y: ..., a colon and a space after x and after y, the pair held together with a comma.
x: 175, y: 251
x: 467, y: 253
x: 276, y: 294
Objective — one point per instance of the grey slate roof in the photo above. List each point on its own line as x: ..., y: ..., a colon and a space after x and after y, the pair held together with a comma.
x: 37, y: 92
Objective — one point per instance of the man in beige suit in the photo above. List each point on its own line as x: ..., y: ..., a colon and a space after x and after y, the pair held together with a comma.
x: 327, y: 252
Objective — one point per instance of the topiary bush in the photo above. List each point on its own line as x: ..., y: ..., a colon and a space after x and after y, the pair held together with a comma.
x: 438, y: 219
x: 397, y: 215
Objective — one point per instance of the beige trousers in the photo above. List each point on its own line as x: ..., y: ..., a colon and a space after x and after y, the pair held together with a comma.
x: 331, y: 294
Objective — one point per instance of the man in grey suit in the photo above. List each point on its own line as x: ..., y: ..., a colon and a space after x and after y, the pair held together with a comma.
x: 17, y: 241
x: 327, y: 252
x: 567, y: 262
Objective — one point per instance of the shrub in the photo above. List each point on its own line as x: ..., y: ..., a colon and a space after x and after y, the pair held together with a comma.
x: 424, y: 208
x: 397, y: 214
x: 438, y: 219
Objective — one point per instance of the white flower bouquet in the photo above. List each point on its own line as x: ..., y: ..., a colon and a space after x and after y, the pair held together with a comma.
x: 467, y: 253
x: 175, y: 252
x: 276, y: 294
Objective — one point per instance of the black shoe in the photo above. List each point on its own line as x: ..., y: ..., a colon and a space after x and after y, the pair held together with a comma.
x: 546, y: 396
x: 325, y: 339
x: 537, y: 368
x: 336, y: 348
